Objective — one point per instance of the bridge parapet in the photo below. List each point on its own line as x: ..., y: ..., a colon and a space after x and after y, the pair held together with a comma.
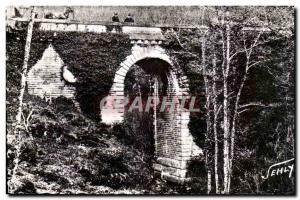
x: 138, y: 33
x: 151, y: 35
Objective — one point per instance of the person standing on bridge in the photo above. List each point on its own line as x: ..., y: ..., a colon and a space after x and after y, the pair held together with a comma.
x: 116, y: 24
x: 115, y: 18
x: 129, y: 19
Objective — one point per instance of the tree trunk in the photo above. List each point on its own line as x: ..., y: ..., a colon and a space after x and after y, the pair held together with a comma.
x: 12, y: 183
x: 226, y: 113
x: 234, y: 122
x: 207, y: 108
x: 25, y: 66
x: 214, y: 102
x: 208, y: 181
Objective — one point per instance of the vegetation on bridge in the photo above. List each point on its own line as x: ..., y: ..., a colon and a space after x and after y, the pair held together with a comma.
x: 249, y: 112
x: 93, y: 58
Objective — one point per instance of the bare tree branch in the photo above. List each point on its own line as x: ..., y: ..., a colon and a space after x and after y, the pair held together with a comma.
x: 256, y: 63
x: 182, y: 46
x: 244, y: 110
x: 258, y: 104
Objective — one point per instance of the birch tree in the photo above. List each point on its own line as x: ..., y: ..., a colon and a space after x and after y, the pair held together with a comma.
x: 216, y: 110
x: 252, y: 48
x: 207, y: 104
x: 235, y: 44
x: 18, y: 132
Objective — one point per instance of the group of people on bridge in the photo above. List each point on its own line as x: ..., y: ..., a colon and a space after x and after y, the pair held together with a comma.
x: 128, y: 19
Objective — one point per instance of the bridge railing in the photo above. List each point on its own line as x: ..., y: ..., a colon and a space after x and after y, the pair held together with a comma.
x: 136, y: 30
x: 109, y: 23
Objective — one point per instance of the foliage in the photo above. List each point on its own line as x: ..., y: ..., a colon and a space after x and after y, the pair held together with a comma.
x: 269, y: 138
x: 76, y: 155
x: 93, y: 58
x: 15, y: 43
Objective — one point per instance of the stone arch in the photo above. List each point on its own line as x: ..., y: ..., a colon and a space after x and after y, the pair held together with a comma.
x: 174, y: 145
x: 138, y: 53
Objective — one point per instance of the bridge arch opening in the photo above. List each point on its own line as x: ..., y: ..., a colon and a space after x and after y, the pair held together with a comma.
x: 173, y: 144
x: 146, y: 79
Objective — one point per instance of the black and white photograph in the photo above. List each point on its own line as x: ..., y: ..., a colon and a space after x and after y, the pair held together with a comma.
x: 150, y: 100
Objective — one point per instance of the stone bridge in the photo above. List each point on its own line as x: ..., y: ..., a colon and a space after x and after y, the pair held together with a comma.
x: 174, y: 145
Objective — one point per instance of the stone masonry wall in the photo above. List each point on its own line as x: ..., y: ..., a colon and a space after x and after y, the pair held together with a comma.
x: 45, y: 77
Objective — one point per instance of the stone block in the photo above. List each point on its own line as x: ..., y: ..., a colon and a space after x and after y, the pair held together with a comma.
x: 119, y: 79
x: 169, y: 162
x: 61, y: 27
x: 118, y: 85
x: 126, y: 67
x: 45, y: 26
x: 71, y: 27
x: 96, y: 28
x: 131, y: 59
x: 128, y: 63
x: 123, y: 70
x: 121, y: 73
x: 118, y: 93
x: 82, y: 28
